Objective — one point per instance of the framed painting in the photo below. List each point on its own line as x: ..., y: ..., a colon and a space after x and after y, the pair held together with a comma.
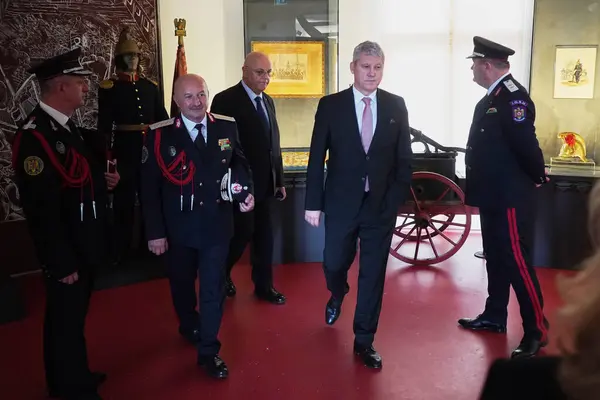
x: 575, y: 72
x: 298, y: 68
x: 34, y: 30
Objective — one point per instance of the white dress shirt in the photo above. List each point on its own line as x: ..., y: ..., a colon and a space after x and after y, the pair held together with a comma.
x: 59, y: 117
x: 191, y: 127
x: 360, y: 107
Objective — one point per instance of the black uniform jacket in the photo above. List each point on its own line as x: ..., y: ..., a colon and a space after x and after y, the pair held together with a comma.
x: 181, y: 181
x: 127, y: 101
x: 503, y: 158
x: 60, y: 175
x: 523, y: 379
x: 261, y: 147
x: 387, y: 162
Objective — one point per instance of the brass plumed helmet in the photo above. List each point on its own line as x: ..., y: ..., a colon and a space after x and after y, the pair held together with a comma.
x: 126, y: 44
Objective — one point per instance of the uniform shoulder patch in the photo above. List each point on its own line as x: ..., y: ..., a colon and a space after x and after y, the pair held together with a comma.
x: 223, y: 117
x: 160, y: 124
x: 519, y: 110
x: 33, y: 165
x: 106, y: 84
x: 510, y: 85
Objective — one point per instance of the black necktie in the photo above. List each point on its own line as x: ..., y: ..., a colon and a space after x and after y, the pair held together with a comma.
x: 72, y: 126
x: 261, y: 112
x: 73, y: 129
x: 200, y: 143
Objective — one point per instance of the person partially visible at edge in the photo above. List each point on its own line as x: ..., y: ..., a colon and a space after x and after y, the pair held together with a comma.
x: 573, y: 373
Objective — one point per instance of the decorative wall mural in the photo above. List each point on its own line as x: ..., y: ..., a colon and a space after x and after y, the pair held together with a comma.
x: 32, y: 30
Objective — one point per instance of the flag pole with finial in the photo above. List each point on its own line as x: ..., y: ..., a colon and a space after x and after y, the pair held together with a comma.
x: 180, y: 60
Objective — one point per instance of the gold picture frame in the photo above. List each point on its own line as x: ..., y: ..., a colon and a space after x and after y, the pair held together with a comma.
x: 298, y: 68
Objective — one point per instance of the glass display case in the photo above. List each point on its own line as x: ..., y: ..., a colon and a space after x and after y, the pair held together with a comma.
x: 301, y: 39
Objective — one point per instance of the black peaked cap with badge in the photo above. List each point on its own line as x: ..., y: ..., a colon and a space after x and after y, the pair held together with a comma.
x: 63, y: 64
x: 485, y: 48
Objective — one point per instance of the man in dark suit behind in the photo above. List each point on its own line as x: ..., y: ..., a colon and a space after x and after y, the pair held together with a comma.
x: 366, y: 131
x: 254, y: 113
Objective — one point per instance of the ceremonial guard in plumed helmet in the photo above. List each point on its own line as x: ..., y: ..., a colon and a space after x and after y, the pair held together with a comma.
x: 128, y: 103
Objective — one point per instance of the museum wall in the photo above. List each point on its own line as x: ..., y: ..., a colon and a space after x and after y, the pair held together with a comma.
x: 214, y: 43
x: 559, y: 23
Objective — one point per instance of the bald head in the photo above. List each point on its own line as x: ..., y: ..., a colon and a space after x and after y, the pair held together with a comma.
x: 256, y: 72
x: 191, y: 95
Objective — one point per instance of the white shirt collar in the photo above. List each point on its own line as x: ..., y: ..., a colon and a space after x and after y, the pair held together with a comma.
x: 250, y: 92
x: 59, y: 117
x: 191, y: 125
x: 491, y: 88
x: 358, y: 96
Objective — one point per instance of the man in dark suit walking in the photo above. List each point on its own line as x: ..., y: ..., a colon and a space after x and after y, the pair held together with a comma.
x: 254, y: 113
x: 192, y: 169
x: 367, y: 134
x: 504, y: 165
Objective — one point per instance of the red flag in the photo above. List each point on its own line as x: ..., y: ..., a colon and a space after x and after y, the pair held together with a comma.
x: 180, y: 69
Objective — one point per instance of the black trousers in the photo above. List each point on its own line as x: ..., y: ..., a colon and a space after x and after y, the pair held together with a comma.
x: 375, y: 233
x: 184, y: 264
x: 254, y: 227
x: 65, y: 351
x: 128, y: 152
x: 507, y: 238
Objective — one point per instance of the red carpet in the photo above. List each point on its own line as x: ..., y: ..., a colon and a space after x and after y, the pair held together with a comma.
x: 285, y: 352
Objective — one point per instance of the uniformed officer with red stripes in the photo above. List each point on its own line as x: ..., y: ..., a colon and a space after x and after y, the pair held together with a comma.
x: 193, y: 169
x: 60, y: 172
x: 504, y: 165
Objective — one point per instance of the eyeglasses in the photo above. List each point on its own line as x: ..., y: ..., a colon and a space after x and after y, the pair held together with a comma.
x: 261, y: 72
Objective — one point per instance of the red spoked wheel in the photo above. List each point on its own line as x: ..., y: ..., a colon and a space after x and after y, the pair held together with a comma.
x: 433, y: 224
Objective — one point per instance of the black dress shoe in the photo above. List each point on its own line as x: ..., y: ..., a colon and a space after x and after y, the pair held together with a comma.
x: 368, y: 356
x: 230, y: 290
x: 528, y: 348
x: 271, y: 295
x: 192, y: 336
x: 97, y: 379
x: 333, y: 309
x: 481, y: 324
x: 214, y: 366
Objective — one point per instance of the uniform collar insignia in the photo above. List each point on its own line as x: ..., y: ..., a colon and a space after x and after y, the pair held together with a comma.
x: 128, y: 76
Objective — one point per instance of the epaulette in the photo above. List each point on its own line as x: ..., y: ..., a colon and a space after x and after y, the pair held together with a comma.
x: 223, y: 117
x: 510, y: 85
x: 160, y: 124
x: 106, y: 84
x: 149, y: 80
